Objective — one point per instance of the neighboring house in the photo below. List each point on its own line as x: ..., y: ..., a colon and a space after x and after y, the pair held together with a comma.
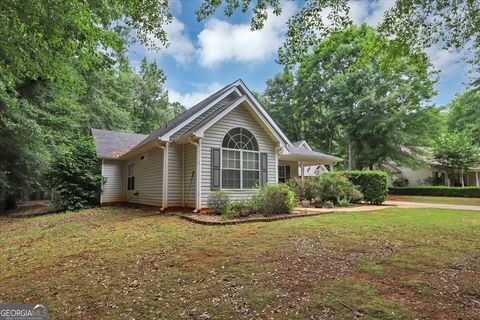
x: 226, y: 142
x: 431, y: 172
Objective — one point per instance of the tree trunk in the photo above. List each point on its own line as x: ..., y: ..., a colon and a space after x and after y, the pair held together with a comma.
x: 461, y: 178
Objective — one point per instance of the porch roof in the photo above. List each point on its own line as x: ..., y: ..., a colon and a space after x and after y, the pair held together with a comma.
x: 292, y: 153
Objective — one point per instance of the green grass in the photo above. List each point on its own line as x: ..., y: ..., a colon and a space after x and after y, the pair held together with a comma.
x: 439, y: 200
x: 114, y: 263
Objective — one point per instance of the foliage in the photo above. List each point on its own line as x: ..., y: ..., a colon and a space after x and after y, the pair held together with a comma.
x: 464, y: 114
x: 344, y: 203
x: 328, y: 204
x: 75, y: 176
x: 410, y: 24
x: 456, y: 151
x: 274, y: 199
x: 239, y: 209
x: 440, y: 191
x: 304, y: 189
x: 400, y: 182
x: 372, y: 184
x: 334, y: 186
x: 218, y: 201
x: 42, y: 40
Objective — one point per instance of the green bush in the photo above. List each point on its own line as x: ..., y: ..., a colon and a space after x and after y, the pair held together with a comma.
x: 439, y: 191
x: 239, y: 209
x: 305, y: 189
x: 274, y: 199
x: 75, y: 175
x: 334, y: 186
x: 400, y: 182
x: 218, y: 200
x: 372, y: 184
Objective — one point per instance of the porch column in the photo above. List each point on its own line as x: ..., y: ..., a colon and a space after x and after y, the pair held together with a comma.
x: 477, y: 178
x: 303, y: 170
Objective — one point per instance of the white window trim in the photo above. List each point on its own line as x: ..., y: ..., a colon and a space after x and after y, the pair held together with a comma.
x: 284, y: 172
x: 240, y: 169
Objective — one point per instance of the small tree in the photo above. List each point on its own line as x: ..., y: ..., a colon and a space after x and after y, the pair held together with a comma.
x: 74, y: 175
x: 457, y: 152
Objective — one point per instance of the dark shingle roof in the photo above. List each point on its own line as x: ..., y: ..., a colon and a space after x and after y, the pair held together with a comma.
x: 297, y: 143
x: 112, y: 144
x: 183, y: 116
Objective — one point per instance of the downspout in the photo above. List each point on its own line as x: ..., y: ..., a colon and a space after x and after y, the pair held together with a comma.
x: 164, y: 173
x: 197, y: 187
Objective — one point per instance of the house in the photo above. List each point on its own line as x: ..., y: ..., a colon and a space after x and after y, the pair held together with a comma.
x: 225, y: 142
x: 430, y: 172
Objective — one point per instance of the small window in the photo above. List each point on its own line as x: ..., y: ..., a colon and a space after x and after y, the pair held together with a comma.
x: 131, y: 176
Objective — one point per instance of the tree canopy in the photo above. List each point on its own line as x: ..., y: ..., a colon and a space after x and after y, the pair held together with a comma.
x: 338, y: 98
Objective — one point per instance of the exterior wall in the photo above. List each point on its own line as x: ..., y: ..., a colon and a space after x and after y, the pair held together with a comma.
x: 114, y: 186
x: 472, y: 179
x: 213, y: 137
x: 175, y: 175
x: 293, y: 167
x: 189, y: 181
x: 148, y: 179
x: 415, y: 176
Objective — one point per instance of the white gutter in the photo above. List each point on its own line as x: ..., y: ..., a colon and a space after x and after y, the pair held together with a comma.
x: 197, y: 175
x: 164, y: 174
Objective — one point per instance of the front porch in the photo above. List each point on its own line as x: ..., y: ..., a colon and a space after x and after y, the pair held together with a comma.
x: 300, y: 162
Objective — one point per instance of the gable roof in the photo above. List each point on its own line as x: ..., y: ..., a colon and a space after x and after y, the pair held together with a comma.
x: 196, y: 120
x: 207, y: 110
x: 112, y: 144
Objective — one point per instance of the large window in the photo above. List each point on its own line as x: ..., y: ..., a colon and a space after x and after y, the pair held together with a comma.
x: 131, y: 176
x: 240, y: 160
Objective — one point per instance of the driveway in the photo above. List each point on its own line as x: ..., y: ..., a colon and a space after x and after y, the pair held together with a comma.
x: 405, y: 204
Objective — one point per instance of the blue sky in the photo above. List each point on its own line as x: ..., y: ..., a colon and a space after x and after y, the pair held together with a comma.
x: 205, y: 56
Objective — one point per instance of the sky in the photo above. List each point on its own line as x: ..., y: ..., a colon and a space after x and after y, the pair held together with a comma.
x: 205, y: 56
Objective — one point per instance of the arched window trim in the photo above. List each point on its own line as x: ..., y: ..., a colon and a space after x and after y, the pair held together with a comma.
x: 240, y: 166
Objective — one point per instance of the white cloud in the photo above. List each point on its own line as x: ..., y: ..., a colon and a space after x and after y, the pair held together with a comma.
x: 181, y: 47
x: 221, y: 41
x: 190, y: 99
x: 370, y: 12
x: 448, y: 62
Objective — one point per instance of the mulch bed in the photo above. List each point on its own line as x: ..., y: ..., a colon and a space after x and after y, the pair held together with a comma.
x: 217, y: 220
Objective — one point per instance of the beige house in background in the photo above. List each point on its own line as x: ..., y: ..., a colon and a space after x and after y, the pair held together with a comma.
x: 430, y: 173
x: 225, y: 142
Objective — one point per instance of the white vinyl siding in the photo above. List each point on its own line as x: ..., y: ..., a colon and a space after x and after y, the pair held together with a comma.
x: 113, y: 187
x: 175, y: 175
x: 189, y: 184
x: 213, y: 137
x: 148, y: 179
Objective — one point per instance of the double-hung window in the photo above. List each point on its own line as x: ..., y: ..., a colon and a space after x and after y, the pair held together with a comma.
x: 240, y: 160
x: 131, y: 176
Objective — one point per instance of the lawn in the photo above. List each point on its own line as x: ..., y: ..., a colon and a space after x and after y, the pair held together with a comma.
x: 114, y: 263
x: 440, y: 200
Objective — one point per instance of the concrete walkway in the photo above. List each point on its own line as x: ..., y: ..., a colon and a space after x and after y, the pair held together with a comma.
x: 388, y: 204
x: 405, y: 204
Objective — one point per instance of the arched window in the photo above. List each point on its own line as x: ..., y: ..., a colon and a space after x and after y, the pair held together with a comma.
x: 240, y: 160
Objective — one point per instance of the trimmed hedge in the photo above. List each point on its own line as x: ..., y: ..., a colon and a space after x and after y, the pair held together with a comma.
x: 439, y: 191
x: 372, y: 184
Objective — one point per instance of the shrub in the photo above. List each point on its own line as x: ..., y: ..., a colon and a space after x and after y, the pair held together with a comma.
x: 400, y: 182
x: 328, y: 204
x: 218, y: 200
x: 75, y: 175
x: 372, y: 184
x: 439, y: 191
x: 274, y: 199
x: 239, y: 209
x: 305, y: 189
x: 334, y: 186
x: 344, y: 203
